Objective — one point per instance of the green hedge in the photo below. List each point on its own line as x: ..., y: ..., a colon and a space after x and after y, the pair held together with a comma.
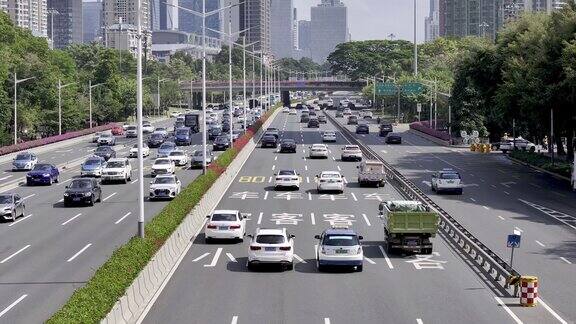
x: 92, y: 302
x: 542, y: 161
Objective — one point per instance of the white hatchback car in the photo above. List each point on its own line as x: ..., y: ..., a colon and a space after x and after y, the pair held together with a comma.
x: 271, y: 246
x: 163, y: 166
x: 318, y: 151
x: 330, y: 181
x: 447, y: 180
x: 134, y: 150
x: 225, y: 224
x: 287, y: 179
x: 178, y: 157
x: 329, y: 136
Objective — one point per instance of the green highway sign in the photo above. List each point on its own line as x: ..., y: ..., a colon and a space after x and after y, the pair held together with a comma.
x: 386, y: 89
x: 412, y: 88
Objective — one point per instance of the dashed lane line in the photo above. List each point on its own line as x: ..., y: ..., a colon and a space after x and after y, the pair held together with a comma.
x: 122, y: 218
x: 366, y: 219
x: 354, y: 196
x: 539, y: 243
x: 565, y: 260
x: 230, y: 257
x: 20, y: 220
x: 79, y: 252
x: 234, y: 320
x: 14, y: 254
x: 16, y: 302
x: 503, y: 305
x: 369, y: 260
x: 297, y: 257
x: 260, y: 218
x: 71, y: 219
x: 110, y: 196
x: 386, y: 258
x: 201, y: 257
x: 312, y: 219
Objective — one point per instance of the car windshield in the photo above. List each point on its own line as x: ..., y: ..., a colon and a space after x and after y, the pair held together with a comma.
x: 329, y: 133
x: 351, y: 148
x: 222, y: 139
x: 115, y: 164
x: 288, y: 141
x: 42, y: 167
x: 269, y: 138
x: 131, y: 128
x: 165, y: 180
x: 224, y: 217
x: 81, y: 184
x: 156, y: 136
x: 198, y: 153
x: 5, y: 199
x: 162, y: 161
x: 24, y: 157
x: 287, y: 172
x: 373, y: 168
x: 160, y: 129
x: 449, y: 175
x: 106, y: 135
x: 182, y: 132
x: 177, y: 153
x: 340, y: 240
x: 270, y: 239
x: 167, y: 146
x: 103, y: 149
x: 92, y: 162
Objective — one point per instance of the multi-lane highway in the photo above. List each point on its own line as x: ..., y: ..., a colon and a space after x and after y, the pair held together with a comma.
x: 52, y: 250
x: 499, y: 197
x: 213, y: 285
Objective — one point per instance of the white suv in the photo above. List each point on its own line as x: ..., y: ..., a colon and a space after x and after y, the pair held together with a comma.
x: 447, y: 180
x: 163, y: 166
x: 351, y: 152
x: 225, y: 224
x: 117, y: 169
x: 271, y: 246
x: 165, y: 186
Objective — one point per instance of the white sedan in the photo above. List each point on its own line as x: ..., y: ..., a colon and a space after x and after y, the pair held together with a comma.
x: 287, y: 179
x: 134, y: 150
x: 330, y: 181
x: 286, y: 109
x: 318, y: 151
x: 178, y: 157
x: 165, y: 186
x: 329, y: 136
x: 163, y: 166
x: 225, y: 224
x: 271, y: 246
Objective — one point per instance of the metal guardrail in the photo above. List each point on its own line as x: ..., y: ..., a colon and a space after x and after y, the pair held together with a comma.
x: 483, y: 256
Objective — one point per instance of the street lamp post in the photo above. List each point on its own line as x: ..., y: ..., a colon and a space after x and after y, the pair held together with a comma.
x: 139, y: 121
x: 90, y: 87
x: 60, y: 87
x: 415, y: 44
x: 158, y: 98
x: 52, y: 12
x: 16, y: 81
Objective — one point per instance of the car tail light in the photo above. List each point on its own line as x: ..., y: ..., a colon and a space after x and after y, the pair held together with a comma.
x: 322, y: 180
x: 235, y: 227
x: 255, y: 248
x: 278, y: 179
x: 211, y: 226
x: 285, y: 248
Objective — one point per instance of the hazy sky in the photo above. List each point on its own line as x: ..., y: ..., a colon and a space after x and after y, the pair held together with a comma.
x: 376, y: 19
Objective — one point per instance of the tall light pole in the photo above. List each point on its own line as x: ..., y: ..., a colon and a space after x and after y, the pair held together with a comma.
x: 415, y: 45
x: 60, y: 87
x: 90, y: 87
x: 139, y: 120
x: 52, y: 12
x: 158, y: 98
x: 244, y: 46
x: 16, y: 81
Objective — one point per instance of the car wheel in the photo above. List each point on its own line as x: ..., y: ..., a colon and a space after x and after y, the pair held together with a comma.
x: 460, y: 191
x: 290, y: 266
x: 207, y: 240
x: 50, y: 181
x: 56, y: 180
x: 359, y: 268
x: 91, y: 202
x: 130, y: 176
x: 13, y: 218
x: 29, y: 183
x: 250, y: 266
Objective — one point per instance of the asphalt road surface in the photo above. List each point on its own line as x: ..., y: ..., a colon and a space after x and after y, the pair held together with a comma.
x: 213, y: 285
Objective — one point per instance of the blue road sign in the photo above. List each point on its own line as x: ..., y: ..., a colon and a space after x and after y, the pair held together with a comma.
x: 513, y: 241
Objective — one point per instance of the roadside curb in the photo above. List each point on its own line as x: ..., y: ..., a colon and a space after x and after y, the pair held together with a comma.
x: 555, y: 175
x: 430, y: 138
x: 142, y: 292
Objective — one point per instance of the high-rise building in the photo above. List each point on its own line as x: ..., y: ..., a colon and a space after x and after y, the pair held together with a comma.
x: 124, y: 11
x: 230, y: 17
x: 155, y: 14
x: 169, y: 15
x: 282, y: 28
x: 91, y: 18
x: 295, y: 30
x: 66, y: 25
x: 29, y: 14
x: 304, y: 38
x: 329, y: 27
x: 432, y: 22
x: 255, y: 15
x: 191, y: 23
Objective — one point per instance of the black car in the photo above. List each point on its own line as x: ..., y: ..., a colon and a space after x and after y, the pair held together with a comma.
x: 288, y: 145
x: 105, y: 152
x: 385, y: 128
x: 214, y: 132
x: 393, y: 138
x: 304, y: 118
x: 339, y: 114
x: 362, y: 129
x: 83, y: 191
x: 322, y: 119
x: 225, y: 127
x: 312, y: 113
x: 313, y: 123
x: 269, y: 140
x: 155, y: 140
x: 221, y: 143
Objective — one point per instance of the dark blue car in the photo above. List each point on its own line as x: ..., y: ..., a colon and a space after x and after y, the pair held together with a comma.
x: 182, y: 136
x: 42, y: 174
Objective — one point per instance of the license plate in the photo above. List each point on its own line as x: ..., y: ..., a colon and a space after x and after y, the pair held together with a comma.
x: 223, y: 228
x: 269, y: 249
x: 341, y: 251
x: 450, y: 181
x: 412, y: 243
x: 76, y: 199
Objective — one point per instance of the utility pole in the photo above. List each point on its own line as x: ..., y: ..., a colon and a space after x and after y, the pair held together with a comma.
x: 16, y: 81
x: 60, y: 87
x: 415, y: 45
x: 139, y: 120
x: 90, y: 87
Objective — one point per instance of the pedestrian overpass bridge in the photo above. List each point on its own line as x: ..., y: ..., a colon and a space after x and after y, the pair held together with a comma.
x: 285, y: 85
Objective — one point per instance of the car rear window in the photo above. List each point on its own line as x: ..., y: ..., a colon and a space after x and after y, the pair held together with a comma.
x: 79, y: 184
x: 115, y: 164
x: 286, y: 172
x: 42, y: 167
x: 5, y: 199
x: 25, y: 156
x: 270, y: 239
x: 224, y: 217
x: 340, y: 240
x: 449, y: 176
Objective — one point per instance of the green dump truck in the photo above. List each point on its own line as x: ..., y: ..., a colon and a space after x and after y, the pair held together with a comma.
x: 408, y: 226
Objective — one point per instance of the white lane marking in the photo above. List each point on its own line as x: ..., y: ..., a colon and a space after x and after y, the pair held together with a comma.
x: 307, y: 180
x: 354, y: 196
x: 419, y: 321
x: 535, y: 185
x: 312, y: 219
x: 485, y: 207
x: 231, y: 257
x: 493, y: 186
x: 215, y: 258
x: 15, y: 254
x: 306, y: 167
x: 333, y: 159
x: 122, y: 218
x: 274, y: 167
x: 6, y: 177
x: 386, y: 258
x: 79, y: 252
x: 297, y: 257
x: 384, y: 151
x: 61, y: 200
x: 559, y: 216
x: 7, y: 309
x: 260, y: 218
x: 339, y: 169
x: 111, y: 195
x: 518, y: 229
x: 506, y: 192
x: 501, y: 171
x: 501, y: 303
x: 326, y: 320
x: 275, y: 158
x: 21, y: 219
x: 234, y: 320
x: 29, y: 196
x: 539, y: 243
x: 266, y: 195
x: 201, y: 257
x: 61, y: 182
x: 551, y: 311
x: 474, y: 200
x: 345, y: 181
x: 71, y: 219
x: 565, y: 260
x: 366, y: 219
x: 369, y: 260
x: 309, y: 196
x: 502, y: 218
x: 270, y: 179
x: 303, y: 151
x: 134, y: 181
